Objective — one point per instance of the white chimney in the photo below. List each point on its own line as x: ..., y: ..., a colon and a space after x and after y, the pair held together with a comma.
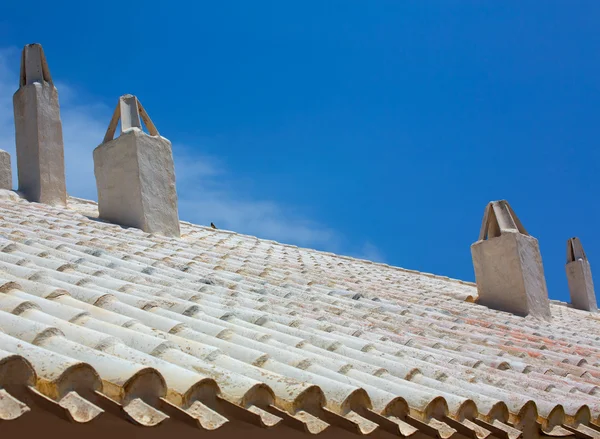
x: 579, y: 275
x: 38, y: 131
x: 508, y: 265
x: 5, y: 170
x: 135, y: 175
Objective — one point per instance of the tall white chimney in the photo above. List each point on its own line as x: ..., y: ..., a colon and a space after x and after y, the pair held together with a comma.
x: 508, y: 265
x: 38, y: 131
x: 135, y: 174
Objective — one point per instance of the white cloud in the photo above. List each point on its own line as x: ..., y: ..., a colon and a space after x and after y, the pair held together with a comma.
x: 207, y: 194
x: 207, y: 191
x: 370, y: 252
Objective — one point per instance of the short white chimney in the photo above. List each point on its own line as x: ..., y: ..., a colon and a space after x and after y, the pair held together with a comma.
x: 38, y: 131
x: 508, y: 265
x: 579, y: 275
x: 135, y: 175
x: 5, y: 170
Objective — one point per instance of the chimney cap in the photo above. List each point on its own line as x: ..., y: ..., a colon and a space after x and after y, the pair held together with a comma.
x: 129, y: 110
x: 499, y: 218
x: 575, y: 250
x: 34, y: 67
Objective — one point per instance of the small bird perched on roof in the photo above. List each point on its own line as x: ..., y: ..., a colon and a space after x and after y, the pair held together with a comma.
x: 213, y: 225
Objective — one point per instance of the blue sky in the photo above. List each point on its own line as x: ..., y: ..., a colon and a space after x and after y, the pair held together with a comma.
x: 377, y: 129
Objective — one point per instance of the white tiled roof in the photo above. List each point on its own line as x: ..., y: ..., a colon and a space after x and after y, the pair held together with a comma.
x: 218, y: 326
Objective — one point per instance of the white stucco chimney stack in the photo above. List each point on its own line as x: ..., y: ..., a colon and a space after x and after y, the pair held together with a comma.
x: 579, y: 275
x: 135, y: 174
x: 38, y: 131
x: 5, y: 171
x: 508, y: 265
